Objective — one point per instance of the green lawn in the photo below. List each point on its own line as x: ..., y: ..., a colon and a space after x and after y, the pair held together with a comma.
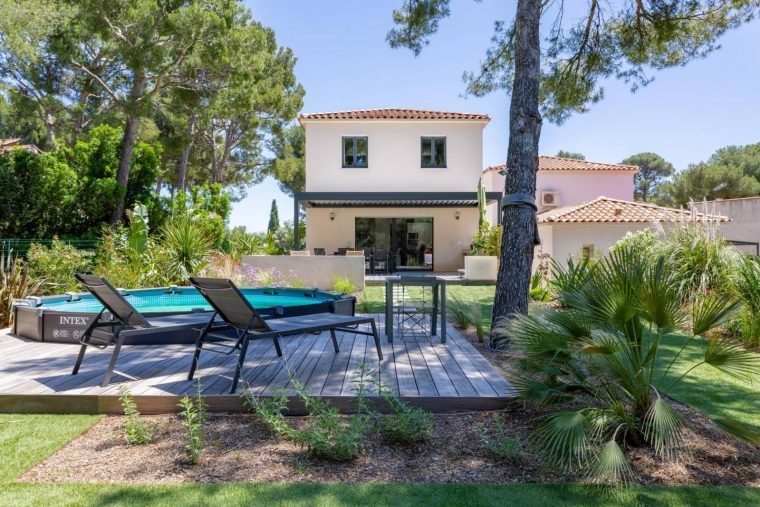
x: 27, y: 439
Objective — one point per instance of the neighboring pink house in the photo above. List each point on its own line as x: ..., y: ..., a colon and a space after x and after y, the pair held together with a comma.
x: 565, y: 181
x: 586, y: 207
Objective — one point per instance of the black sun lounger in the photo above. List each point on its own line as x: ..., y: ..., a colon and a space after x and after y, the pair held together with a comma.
x: 239, y: 316
x: 126, y: 322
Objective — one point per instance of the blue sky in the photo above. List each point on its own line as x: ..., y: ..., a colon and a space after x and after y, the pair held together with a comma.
x: 345, y: 63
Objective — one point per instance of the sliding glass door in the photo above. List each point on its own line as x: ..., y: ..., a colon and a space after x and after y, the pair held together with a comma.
x: 408, y: 240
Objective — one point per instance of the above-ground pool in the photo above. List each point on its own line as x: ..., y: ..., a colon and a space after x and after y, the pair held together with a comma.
x: 63, y: 318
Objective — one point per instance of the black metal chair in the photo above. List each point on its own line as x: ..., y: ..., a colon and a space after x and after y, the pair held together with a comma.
x: 247, y: 324
x: 125, y: 322
x: 342, y: 251
x: 319, y: 251
x: 381, y: 261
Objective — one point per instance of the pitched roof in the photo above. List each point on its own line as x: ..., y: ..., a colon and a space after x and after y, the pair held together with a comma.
x: 547, y: 163
x: 607, y: 210
x: 393, y: 114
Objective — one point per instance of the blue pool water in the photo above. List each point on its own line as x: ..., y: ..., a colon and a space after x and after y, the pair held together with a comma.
x: 187, y: 299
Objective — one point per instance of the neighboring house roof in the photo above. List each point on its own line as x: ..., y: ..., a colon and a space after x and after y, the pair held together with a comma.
x: 607, y: 210
x: 7, y: 145
x: 393, y: 114
x: 547, y: 163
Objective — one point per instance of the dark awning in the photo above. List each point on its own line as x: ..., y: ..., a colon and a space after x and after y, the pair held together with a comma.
x: 392, y: 199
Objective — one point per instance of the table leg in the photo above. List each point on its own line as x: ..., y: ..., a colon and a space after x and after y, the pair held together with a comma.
x: 389, y: 310
x: 443, y: 312
x: 434, y: 317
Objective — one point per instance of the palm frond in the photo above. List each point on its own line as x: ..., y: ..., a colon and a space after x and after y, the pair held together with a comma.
x: 732, y: 359
x: 663, y: 427
x: 564, y: 437
x: 610, y: 466
x: 709, y: 312
x: 742, y: 431
x: 660, y: 300
x: 541, y: 392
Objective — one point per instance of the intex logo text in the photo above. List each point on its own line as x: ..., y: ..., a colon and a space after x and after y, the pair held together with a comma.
x: 73, y: 321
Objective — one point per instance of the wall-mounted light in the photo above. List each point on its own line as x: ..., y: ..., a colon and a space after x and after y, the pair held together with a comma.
x: 457, y: 214
x: 332, y: 215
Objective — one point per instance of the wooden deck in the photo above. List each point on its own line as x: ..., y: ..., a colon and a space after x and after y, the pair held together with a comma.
x: 36, y: 377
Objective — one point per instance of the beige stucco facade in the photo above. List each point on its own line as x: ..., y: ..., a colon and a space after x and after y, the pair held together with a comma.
x: 451, y: 237
x: 745, y: 220
x: 393, y: 156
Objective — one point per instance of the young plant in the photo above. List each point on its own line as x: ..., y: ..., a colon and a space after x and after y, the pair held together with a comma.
x: 193, y: 415
x: 136, y: 430
x: 328, y: 435
x: 460, y: 311
x: 15, y: 284
x: 405, y: 424
x: 270, y: 411
x: 343, y: 284
x: 499, y: 442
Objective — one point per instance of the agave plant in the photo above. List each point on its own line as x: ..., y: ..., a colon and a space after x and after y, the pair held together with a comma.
x: 597, y: 359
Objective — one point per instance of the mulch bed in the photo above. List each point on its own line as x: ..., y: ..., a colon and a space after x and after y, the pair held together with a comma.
x: 239, y: 449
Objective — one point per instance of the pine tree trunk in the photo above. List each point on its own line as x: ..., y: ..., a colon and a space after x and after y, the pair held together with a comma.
x: 513, y: 282
x: 128, y: 146
x: 185, y: 156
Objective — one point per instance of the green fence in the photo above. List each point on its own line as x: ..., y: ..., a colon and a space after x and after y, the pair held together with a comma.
x: 11, y: 248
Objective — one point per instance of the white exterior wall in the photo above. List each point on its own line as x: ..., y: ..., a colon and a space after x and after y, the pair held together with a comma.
x: 565, y: 240
x: 394, y: 156
x: 451, y: 237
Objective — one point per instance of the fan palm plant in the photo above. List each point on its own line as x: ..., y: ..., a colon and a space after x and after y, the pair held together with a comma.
x: 747, y: 287
x: 597, y: 358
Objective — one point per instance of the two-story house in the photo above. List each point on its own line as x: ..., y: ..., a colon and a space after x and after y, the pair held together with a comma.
x: 404, y: 182
x: 400, y: 180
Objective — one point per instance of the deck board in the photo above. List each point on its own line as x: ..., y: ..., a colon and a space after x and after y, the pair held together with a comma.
x: 443, y: 377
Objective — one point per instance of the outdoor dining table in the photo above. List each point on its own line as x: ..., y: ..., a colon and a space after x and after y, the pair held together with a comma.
x: 439, y: 301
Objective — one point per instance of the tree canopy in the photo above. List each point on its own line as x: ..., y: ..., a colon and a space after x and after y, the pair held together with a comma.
x: 571, y: 154
x: 202, y: 77
x: 653, y: 172
x: 728, y: 173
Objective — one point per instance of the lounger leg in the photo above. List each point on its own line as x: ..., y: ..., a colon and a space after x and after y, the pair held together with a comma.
x: 80, y: 357
x: 239, y: 366
x: 334, y: 340
x: 276, y: 340
x: 112, y: 363
x: 196, y: 355
x: 377, y: 340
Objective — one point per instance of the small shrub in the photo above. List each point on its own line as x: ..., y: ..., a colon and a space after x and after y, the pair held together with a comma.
x: 747, y: 288
x: 270, y: 411
x: 328, y: 435
x: 405, y: 424
x: 136, y: 430
x: 15, y: 284
x: 57, y: 264
x: 343, y: 284
x: 538, y: 290
x: 193, y: 414
x: 499, y: 442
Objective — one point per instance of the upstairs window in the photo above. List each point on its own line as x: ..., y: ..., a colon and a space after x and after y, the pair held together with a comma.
x: 355, y: 152
x: 433, y: 152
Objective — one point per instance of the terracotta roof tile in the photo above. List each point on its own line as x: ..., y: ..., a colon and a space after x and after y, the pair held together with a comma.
x: 547, y: 163
x: 607, y: 210
x: 393, y: 114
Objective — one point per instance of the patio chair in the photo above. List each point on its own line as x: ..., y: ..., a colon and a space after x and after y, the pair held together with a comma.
x: 381, y: 261
x: 125, y: 322
x: 342, y: 251
x: 319, y: 251
x: 413, y: 305
x: 247, y: 324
